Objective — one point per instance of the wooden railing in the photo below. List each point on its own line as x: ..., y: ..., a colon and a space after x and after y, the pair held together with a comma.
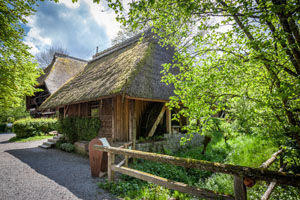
x: 239, y: 172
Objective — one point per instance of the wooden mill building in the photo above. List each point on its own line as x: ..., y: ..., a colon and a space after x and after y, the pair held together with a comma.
x: 59, y: 71
x: 122, y: 86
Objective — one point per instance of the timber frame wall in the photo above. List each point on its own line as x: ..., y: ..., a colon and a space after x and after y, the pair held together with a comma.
x: 120, y: 116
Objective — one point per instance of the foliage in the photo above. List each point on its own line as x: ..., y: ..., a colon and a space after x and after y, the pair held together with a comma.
x: 33, y: 127
x: 79, y: 128
x: 68, y: 147
x: 2, y: 127
x: 45, y: 57
x: 18, y: 72
x: 12, y: 114
x: 246, y: 63
x: 29, y: 139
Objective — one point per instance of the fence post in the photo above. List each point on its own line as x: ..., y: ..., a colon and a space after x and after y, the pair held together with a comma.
x: 126, y: 157
x: 110, y: 172
x: 240, y: 190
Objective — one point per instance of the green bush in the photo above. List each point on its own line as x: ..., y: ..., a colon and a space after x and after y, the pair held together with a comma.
x: 68, y: 147
x: 79, y: 128
x: 12, y: 114
x: 2, y: 127
x: 31, y: 127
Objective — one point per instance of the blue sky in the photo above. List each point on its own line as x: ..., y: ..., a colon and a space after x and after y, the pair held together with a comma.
x: 78, y: 27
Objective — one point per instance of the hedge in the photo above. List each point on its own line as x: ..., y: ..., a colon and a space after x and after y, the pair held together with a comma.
x: 79, y: 128
x: 2, y: 127
x: 31, y: 127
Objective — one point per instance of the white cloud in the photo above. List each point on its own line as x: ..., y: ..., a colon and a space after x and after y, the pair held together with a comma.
x: 33, y: 38
x: 70, y: 4
x: 105, y: 17
x: 79, y: 27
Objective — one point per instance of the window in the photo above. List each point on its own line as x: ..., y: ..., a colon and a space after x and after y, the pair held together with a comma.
x: 94, y: 109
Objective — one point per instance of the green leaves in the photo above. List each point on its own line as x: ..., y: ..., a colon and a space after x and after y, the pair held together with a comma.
x: 18, y: 71
x: 238, y: 58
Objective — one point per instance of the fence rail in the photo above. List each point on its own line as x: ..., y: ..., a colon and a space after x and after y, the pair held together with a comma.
x: 237, y: 171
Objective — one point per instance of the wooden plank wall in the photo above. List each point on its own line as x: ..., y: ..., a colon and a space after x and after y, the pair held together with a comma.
x: 121, y: 119
x: 84, y: 109
x: 106, y: 118
x: 114, y: 116
x: 72, y: 110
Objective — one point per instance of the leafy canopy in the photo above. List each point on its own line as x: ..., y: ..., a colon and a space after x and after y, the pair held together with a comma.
x: 18, y: 71
x: 240, y: 57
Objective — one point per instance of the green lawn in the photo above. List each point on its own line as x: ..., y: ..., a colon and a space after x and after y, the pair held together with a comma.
x: 33, y: 138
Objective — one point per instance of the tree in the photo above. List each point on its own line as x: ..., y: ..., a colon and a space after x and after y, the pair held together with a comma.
x: 126, y: 32
x: 18, y: 72
x: 248, y: 63
x: 45, y: 57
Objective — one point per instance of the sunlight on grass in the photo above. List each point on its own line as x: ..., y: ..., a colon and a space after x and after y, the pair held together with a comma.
x: 34, y: 138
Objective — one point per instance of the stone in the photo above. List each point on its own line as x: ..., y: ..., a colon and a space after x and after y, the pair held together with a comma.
x: 81, y: 147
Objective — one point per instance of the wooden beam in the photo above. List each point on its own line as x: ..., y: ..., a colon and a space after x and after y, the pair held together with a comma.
x: 161, y: 114
x: 181, y: 187
x: 271, y: 160
x: 66, y: 110
x: 146, y: 99
x: 255, y: 173
x: 168, y: 121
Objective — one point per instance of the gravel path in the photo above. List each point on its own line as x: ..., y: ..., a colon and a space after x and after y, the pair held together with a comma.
x: 29, y: 172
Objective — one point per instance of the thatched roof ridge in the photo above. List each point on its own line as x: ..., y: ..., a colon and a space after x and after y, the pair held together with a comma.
x: 132, y: 68
x: 121, y: 45
x: 61, y: 69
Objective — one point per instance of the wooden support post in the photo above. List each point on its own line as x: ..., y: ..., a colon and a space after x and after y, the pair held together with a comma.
x: 134, y: 126
x: 130, y: 118
x: 113, y: 119
x: 111, y: 162
x: 240, y: 191
x: 168, y: 121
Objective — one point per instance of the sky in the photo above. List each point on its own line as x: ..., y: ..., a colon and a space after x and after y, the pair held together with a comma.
x: 78, y: 27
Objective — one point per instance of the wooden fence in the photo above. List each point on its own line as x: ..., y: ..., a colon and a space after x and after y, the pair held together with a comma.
x: 239, y: 172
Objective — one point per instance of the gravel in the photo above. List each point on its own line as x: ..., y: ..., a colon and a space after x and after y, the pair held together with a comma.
x: 29, y: 172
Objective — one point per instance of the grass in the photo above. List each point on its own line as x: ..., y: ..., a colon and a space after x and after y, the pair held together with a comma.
x: 29, y: 139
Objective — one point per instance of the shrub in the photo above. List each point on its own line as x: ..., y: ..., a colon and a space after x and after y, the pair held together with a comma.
x: 31, y: 127
x: 2, y: 127
x: 68, y: 147
x: 12, y: 114
x: 79, y: 128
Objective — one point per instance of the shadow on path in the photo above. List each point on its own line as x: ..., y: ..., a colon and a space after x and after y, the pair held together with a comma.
x: 69, y: 170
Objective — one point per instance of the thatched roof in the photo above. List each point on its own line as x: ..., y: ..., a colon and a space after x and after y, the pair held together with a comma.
x: 61, y: 69
x: 132, y: 67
